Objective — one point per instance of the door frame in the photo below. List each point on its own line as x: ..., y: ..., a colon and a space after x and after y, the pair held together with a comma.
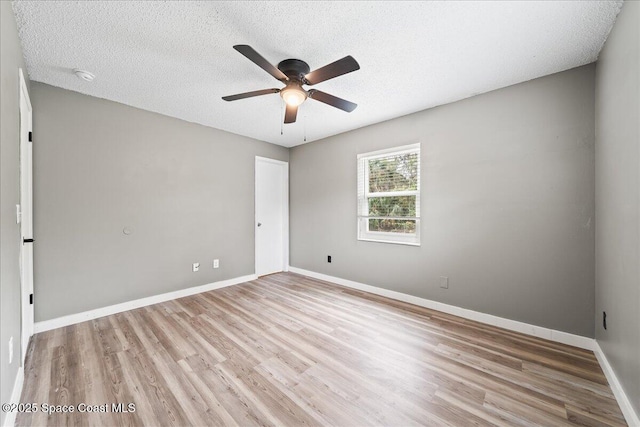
x: 285, y: 211
x: 26, y: 148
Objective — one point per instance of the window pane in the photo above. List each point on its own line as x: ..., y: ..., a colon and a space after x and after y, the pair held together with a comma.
x: 393, y: 225
x: 392, y: 206
x: 389, y: 195
x: 394, y: 173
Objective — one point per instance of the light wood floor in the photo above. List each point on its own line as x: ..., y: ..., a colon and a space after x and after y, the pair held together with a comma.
x: 287, y: 350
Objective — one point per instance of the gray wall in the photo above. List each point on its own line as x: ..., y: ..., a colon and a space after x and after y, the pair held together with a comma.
x: 12, y: 59
x: 618, y: 199
x: 507, y: 204
x: 184, y: 190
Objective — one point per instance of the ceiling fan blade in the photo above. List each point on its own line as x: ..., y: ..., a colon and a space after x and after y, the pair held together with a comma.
x: 335, y: 69
x: 291, y: 113
x: 334, y: 101
x: 250, y: 94
x: 257, y: 59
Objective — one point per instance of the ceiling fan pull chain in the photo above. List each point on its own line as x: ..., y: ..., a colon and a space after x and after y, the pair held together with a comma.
x: 305, y: 128
x: 280, y: 119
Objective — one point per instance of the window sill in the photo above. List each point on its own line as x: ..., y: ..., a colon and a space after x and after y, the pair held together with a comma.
x: 388, y: 241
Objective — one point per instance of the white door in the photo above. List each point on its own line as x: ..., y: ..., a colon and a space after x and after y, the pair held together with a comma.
x: 26, y: 218
x: 272, y: 216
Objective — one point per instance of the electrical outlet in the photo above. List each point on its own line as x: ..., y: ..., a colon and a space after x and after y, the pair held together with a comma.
x: 328, y: 258
x: 216, y: 263
x: 444, y: 282
x: 10, y: 350
x: 604, y: 320
x: 196, y: 266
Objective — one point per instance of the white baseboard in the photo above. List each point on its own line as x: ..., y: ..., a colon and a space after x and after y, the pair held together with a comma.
x: 72, y: 319
x: 512, y: 325
x: 630, y: 415
x: 10, y: 418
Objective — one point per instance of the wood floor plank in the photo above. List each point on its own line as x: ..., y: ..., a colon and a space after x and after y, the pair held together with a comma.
x: 288, y: 350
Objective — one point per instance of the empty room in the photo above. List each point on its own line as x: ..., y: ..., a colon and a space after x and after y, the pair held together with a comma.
x: 327, y: 213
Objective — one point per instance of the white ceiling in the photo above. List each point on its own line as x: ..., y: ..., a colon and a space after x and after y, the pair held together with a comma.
x: 176, y: 58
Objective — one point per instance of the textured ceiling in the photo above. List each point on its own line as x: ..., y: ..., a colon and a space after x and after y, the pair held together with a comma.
x: 176, y: 58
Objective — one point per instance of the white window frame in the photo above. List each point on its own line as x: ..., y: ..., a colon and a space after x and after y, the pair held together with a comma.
x: 412, y: 239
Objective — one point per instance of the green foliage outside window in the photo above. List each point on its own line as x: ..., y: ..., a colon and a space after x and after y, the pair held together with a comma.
x: 391, y: 174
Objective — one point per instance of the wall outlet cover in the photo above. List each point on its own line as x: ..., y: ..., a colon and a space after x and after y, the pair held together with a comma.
x: 444, y: 282
x: 216, y: 263
x: 196, y: 266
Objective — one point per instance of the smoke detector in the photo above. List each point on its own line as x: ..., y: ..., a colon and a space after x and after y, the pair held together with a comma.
x: 84, y: 75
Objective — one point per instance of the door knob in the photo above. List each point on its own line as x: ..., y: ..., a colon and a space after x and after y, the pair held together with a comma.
x: 259, y: 224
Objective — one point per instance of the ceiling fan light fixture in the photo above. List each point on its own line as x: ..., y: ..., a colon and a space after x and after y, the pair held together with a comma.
x: 294, y: 73
x: 293, y: 95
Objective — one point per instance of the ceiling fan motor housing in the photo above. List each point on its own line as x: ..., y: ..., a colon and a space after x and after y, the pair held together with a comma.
x: 295, y: 69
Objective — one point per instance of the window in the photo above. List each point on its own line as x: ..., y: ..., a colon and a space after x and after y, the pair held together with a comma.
x: 389, y: 195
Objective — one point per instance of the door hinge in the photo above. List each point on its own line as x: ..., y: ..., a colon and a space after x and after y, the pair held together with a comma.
x: 31, y: 299
x: 30, y: 136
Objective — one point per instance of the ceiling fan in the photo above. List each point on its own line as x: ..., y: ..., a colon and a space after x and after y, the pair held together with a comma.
x: 294, y: 73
